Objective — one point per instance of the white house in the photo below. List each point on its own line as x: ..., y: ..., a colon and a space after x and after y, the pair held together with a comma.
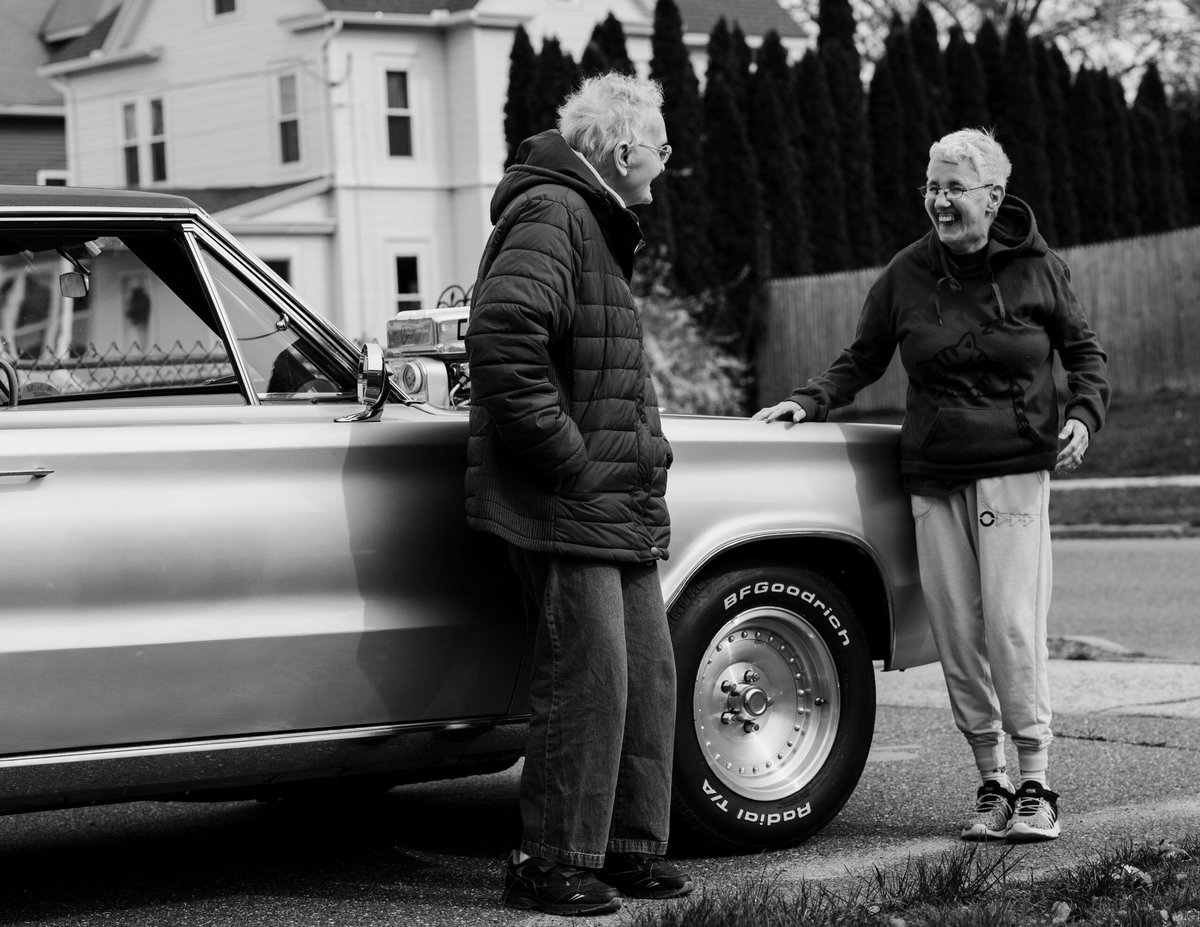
x: 352, y: 144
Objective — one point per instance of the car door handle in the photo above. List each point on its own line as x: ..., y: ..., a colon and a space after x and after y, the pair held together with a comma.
x: 36, y: 472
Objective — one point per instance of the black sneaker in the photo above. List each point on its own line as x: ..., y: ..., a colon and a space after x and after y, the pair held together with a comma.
x: 1036, y: 814
x: 543, y: 885
x: 639, y: 876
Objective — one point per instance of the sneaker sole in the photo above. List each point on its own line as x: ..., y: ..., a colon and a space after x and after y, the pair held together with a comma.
x: 525, y: 903
x: 657, y: 894
x: 980, y: 832
x: 1023, y: 833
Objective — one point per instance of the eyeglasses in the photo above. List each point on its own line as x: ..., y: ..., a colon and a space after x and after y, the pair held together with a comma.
x: 664, y: 153
x: 951, y: 193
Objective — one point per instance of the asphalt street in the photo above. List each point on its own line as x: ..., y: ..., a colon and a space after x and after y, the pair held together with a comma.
x: 1125, y: 762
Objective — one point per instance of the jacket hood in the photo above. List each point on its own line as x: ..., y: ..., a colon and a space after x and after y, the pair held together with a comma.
x: 547, y: 158
x: 1013, y: 233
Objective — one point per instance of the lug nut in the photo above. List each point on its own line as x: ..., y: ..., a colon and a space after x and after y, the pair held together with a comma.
x: 728, y: 717
x: 750, y: 727
x: 730, y: 687
x: 751, y: 676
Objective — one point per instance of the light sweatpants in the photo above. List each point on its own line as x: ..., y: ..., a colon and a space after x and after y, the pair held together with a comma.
x: 984, y: 557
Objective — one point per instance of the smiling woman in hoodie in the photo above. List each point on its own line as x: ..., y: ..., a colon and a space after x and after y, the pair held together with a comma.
x: 978, y: 308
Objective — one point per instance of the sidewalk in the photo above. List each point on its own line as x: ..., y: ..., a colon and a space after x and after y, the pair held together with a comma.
x: 1146, y: 688
x: 1124, y: 531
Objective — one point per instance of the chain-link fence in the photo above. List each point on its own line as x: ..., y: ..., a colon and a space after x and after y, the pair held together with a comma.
x: 118, y: 369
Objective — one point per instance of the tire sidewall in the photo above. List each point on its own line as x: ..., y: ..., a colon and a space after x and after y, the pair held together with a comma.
x: 709, y: 808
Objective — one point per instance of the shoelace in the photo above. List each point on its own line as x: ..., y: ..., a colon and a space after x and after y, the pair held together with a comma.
x: 1030, y: 805
x: 989, y: 802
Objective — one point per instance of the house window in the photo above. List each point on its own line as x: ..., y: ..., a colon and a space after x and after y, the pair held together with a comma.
x: 408, y: 289
x: 282, y: 268
x: 399, y: 116
x: 289, y: 120
x: 224, y: 6
x: 129, y: 128
x: 158, y: 142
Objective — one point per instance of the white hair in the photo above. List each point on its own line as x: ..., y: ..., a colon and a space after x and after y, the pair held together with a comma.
x: 606, y: 110
x: 979, y: 148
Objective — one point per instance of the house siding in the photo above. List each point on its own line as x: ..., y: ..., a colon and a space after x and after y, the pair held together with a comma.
x: 30, y: 145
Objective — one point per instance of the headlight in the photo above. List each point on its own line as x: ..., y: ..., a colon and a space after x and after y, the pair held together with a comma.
x: 411, y: 334
x: 412, y: 378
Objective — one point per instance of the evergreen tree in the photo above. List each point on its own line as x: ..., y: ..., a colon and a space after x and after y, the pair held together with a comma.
x: 1149, y: 172
x: 735, y: 225
x: 894, y: 194
x: 913, y: 154
x: 1022, y: 127
x: 593, y: 61
x: 1188, y: 145
x: 967, y: 85
x: 610, y: 36
x: 835, y: 19
x: 931, y: 65
x: 772, y: 65
x: 1123, y: 138
x: 1089, y: 148
x: 1058, y: 150
x: 522, y: 75
x: 990, y: 49
x: 841, y: 68
x: 824, y: 186
x: 687, y: 184
x: 784, y: 210
x: 557, y: 77
x: 1152, y: 97
x: 742, y: 59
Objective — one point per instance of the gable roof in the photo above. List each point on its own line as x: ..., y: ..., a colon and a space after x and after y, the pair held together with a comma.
x: 755, y: 17
x: 89, y: 42
x: 69, y: 19
x: 22, y: 52
x: 409, y: 7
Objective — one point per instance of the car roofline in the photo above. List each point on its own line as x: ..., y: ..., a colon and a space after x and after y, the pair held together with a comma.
x: 91, y: 200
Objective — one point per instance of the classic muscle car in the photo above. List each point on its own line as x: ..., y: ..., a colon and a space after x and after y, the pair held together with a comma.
x: 234, y: 564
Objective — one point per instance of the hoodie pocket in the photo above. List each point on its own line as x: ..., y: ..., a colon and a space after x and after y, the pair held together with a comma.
x: 972, y: 436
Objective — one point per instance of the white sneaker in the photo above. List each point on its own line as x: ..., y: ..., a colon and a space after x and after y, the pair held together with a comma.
x: 993, y: 809
x: 1036, y: 814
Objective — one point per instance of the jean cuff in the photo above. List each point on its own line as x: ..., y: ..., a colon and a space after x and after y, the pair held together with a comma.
x: 566, y: 857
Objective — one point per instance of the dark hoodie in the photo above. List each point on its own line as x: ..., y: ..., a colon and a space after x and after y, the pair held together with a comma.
x: 566, y: 452
x: 977, y: 343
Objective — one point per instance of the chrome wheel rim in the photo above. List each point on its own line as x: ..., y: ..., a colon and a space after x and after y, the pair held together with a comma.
x: 766, y: 703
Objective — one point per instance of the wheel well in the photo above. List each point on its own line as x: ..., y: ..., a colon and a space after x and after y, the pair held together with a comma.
x: 846, y: 564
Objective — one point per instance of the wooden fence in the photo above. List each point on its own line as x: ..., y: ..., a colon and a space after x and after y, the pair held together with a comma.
x: 1142, y: 297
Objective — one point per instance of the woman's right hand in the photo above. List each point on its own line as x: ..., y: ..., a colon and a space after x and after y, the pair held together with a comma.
x: 787, y: 409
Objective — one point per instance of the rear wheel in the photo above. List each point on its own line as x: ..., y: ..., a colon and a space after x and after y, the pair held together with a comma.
x: 775, y: 710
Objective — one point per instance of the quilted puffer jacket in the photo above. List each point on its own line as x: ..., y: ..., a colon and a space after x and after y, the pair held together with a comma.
x: 566, y: 452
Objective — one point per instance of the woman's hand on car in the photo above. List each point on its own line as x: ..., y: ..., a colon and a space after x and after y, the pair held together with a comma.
x: 781, y: 410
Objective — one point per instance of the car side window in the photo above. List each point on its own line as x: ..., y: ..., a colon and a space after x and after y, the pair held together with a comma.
x: 281, y: 363
x: 86, y: 315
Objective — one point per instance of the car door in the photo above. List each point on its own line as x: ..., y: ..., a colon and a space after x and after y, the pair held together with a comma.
x: 192, y: 547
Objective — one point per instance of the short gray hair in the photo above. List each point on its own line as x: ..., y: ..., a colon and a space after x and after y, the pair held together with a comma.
x: 606, y: 110
x: 980, y: 149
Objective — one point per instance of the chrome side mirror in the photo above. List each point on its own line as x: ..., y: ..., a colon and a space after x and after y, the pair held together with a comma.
x: 372, y: 384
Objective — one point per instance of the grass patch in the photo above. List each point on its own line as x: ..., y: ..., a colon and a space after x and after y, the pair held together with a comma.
x: 1148, y: 505
x: 1154, y: 435
x: 1129, y: 884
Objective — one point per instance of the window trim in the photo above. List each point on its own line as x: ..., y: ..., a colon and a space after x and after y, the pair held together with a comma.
x: 417, y: 296
x: 399, y: 112
x: 283, y: 118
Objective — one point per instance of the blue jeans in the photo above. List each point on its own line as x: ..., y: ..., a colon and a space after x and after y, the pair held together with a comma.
x: 597, y: 774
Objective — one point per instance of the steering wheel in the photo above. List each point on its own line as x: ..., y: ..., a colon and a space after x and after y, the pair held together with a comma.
x: 8, y: 384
